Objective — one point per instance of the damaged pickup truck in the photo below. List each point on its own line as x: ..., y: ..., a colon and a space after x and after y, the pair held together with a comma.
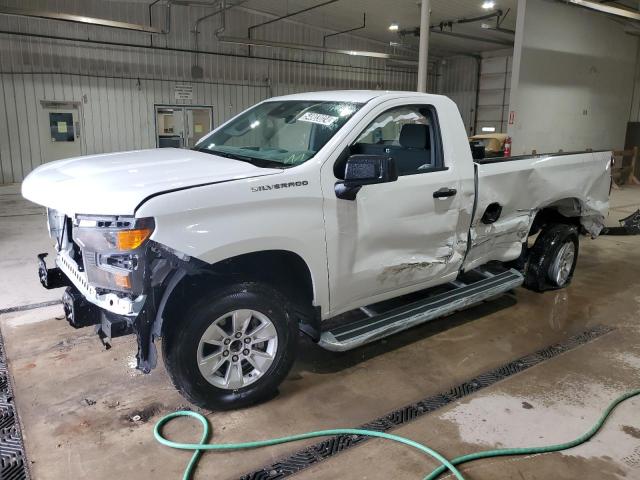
x: 346, y: 215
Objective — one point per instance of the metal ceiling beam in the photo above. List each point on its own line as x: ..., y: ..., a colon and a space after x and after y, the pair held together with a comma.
x: 440, y: 29
x: 495, y: 41
x: 298, y: 12
x: 600, y: 7
x: 436, y: 29
x: 315, y: 48
x: 364, y: 25
x: 176, y: 49
x: 66, y: 17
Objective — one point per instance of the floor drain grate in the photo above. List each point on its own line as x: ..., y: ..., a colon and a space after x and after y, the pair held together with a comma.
x: 31, y: 306
x: 334, y: 445
x: 13, y: 461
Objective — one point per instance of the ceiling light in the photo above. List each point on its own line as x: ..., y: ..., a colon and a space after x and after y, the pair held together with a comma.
x: 486, y: 26
x: 489, y: 129
x: 394, y: 44
x: 488, y: 4
x: 394, y: 27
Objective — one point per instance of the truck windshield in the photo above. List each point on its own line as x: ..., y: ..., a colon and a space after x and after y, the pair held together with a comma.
x: 279, y: 134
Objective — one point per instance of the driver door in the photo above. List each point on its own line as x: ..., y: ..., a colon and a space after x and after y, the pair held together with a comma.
x: 395, y: 237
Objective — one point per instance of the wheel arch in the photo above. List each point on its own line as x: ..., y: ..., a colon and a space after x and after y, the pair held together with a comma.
x: 283, y: 269
x: 566, y: 210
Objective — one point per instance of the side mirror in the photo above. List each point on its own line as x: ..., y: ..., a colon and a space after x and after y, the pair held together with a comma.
x: 363, y: 170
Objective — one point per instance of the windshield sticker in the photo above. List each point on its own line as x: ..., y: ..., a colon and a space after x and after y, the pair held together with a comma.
x: 319, y: 118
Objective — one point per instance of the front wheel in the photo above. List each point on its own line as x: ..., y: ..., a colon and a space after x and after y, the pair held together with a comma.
x: 552, y: 259
x: 232, y: 348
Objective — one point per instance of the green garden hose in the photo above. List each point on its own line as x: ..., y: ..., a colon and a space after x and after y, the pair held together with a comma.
x: 199, y: 448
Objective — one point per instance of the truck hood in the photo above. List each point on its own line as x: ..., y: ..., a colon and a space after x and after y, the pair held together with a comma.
x: 117, y: 183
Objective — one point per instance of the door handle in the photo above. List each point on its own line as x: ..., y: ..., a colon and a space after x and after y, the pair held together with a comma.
x: 444, y: 192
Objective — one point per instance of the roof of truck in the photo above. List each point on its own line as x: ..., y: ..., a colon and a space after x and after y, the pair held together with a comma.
x: 359, y: 96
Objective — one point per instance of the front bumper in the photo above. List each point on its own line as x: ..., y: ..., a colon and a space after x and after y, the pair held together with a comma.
x: 83, y: 306
x: 116, y: 314
x: 108, y: 301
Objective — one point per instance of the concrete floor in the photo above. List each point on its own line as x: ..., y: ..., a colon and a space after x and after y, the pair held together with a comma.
x: 79, y: 404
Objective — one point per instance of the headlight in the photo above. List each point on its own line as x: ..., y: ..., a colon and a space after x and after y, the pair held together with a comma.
x: 122, y: 234
x: 112, y: 250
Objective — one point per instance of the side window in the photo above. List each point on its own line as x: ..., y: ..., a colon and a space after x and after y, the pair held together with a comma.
x: 407, y: 133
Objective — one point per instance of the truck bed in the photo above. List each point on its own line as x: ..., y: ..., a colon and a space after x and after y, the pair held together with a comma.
x: 575, y: 184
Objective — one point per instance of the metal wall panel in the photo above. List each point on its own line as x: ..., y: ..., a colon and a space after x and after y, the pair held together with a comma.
x: 458, y: 78
x: 118, y: 86
x: 494, y: 91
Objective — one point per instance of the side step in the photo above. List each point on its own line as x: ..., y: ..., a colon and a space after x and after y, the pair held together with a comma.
x: 360, y: 332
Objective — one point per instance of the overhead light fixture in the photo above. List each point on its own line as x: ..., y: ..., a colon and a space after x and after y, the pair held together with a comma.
x: 394, y: 44
x: 489, y: 129
x: 394, y: 27
x: 488, y: 4
x: 486, y: 26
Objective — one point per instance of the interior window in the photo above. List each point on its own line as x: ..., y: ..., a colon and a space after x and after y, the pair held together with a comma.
x: 404, y: 133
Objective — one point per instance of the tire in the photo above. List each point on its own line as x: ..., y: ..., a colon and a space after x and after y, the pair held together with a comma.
x: 552, y: 259
x: 237, y: 382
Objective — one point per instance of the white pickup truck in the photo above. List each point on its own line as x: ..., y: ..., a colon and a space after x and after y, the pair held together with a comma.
x: 293, y: 213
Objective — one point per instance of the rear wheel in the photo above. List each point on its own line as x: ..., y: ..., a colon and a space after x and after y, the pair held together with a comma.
x: 552, y: 259
x: 232, y: 348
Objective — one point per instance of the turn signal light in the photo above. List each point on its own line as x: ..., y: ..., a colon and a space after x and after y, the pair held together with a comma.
x: 132, y: 239
x: 122, y: 281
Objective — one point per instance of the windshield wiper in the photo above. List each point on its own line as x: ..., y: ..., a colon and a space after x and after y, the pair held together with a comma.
x: 233, y: 156
x: 258, y: 162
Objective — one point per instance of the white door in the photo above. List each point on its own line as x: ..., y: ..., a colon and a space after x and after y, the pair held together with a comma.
x: 395, y: 237
x: 170, y: 127
x: 198, y: 124
x: 180, y: 126
x: 60, y: 130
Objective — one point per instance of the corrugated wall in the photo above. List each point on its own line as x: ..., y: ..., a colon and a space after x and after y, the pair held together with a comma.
x: 118, y: 86
x: 495, y: 89
x: 458, y: 78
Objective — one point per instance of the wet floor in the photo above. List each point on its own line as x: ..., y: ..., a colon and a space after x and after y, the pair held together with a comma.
x: 87, y: 414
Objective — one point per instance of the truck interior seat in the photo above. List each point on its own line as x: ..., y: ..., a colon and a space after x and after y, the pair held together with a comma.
x: 414, y: 152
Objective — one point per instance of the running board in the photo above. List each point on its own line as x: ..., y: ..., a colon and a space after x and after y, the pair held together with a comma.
x: 360, y: 332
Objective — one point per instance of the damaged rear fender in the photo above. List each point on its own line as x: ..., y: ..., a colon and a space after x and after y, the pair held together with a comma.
x: 587, y: 213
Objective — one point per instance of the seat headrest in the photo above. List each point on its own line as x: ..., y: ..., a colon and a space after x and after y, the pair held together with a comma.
x: 414, y: 135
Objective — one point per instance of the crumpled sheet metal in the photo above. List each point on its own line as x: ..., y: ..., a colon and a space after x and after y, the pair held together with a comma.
x: 628, y: 226
x: 577, y: 185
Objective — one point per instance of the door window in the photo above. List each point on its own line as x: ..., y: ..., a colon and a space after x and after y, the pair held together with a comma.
x: 61, y: 125
x: 198, y: 124
x: 408, y: 134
